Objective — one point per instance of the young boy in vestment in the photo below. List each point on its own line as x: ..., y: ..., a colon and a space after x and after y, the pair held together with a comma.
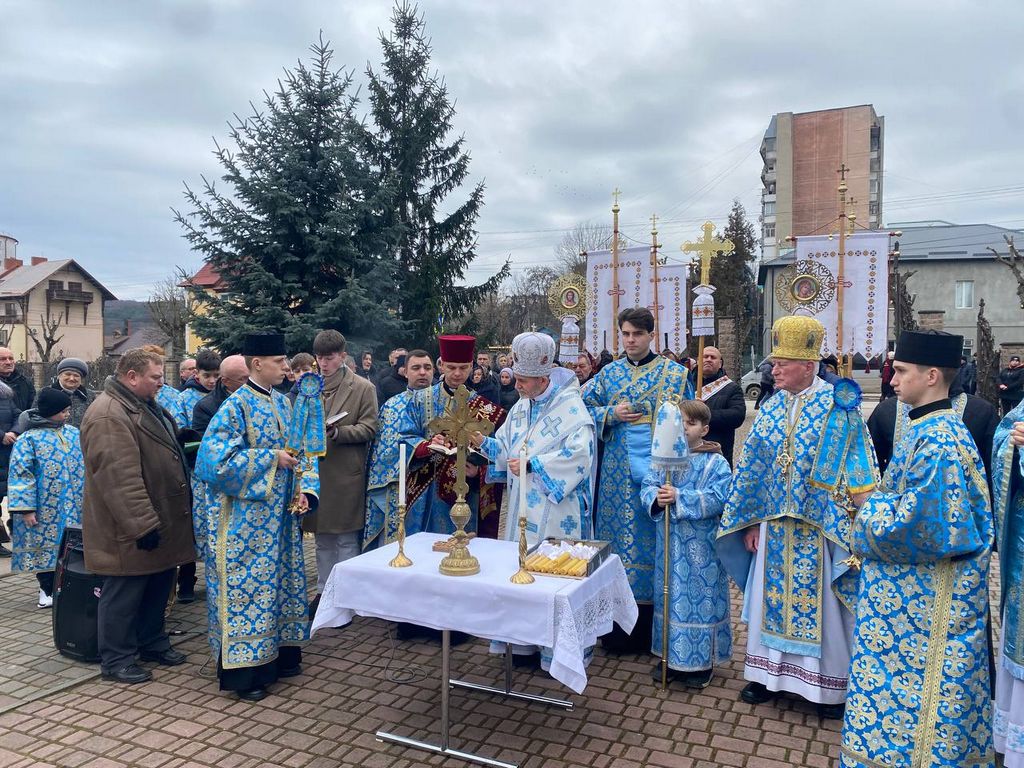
x: 699, y: 634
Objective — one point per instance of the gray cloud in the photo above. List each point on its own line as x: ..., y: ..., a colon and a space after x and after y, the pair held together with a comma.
x: 110, y: 107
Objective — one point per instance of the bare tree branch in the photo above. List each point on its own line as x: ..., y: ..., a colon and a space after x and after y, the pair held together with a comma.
x: 173, y: 307
x: 45, y: 337
x: 575, y: 244
x: 1014, y: 261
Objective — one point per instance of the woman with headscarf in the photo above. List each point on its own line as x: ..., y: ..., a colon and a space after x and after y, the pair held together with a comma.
x: 509, y: 395
x: 70, y: 379
x: 483, y: 385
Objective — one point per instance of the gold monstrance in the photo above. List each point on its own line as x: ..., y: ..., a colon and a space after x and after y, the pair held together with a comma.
x: 458, y: 425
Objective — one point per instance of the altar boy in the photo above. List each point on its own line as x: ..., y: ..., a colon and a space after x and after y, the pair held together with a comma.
x: 699, y: 634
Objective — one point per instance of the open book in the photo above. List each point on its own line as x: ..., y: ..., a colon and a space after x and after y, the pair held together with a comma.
x: 444, y: 450
x: 336, y: 418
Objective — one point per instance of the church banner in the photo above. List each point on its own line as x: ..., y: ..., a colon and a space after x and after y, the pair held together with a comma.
x: 636, y: 289
x: 810, y: 287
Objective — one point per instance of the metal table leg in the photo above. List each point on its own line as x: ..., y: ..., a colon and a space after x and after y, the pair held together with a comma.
x: 443, y: 749
x: 507, y: 690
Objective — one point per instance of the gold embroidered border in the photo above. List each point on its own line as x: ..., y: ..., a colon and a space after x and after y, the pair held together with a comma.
x: 924, y: 738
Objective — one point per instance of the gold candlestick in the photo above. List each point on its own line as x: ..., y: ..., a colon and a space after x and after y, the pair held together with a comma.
x: 400, y: 560
x: 522, y: 576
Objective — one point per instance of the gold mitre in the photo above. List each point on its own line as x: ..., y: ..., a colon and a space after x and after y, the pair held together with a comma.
x: 796, y: 337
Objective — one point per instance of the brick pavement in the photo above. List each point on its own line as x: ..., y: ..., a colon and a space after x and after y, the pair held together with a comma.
x: 359, y: 679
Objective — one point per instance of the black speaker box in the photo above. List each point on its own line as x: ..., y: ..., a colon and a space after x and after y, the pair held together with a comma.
x: 76, y: 596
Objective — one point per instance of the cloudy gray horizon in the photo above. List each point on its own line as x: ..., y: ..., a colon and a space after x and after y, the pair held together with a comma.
x: 110, y: 108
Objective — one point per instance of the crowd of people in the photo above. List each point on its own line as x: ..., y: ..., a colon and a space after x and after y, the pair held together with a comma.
x: 861, y: 548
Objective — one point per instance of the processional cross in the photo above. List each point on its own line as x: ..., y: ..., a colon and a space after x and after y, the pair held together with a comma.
x: 706, y: 248
x: 457, y: 425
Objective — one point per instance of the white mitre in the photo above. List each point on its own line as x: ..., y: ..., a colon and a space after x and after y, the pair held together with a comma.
x: 533, y: 354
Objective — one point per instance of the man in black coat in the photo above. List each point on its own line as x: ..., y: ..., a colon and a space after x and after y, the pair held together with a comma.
x: 24, y: 390
x: 233, y: 374
x: 724, y: 398
x: 393, y: 381
x: 979, y: 416
x: 1011, y: 385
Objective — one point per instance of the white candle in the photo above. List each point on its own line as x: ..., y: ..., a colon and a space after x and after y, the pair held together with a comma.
x: 522, y: 480
x: 401, y: 473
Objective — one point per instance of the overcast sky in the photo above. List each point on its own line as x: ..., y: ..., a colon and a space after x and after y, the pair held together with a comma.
x: 109, y: 107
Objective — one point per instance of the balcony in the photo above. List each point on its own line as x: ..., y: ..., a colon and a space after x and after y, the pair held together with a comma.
x: 60, y: 294
x: 13, y: 318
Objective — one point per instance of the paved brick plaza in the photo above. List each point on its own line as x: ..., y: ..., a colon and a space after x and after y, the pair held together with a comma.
x: 356, y: 680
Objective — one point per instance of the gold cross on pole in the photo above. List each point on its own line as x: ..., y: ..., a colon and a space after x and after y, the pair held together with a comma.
x: 708, y: 248
x: 615, y: 196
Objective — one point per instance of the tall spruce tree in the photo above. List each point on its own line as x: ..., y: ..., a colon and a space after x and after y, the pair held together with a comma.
x: 409, y: 147
x: 731, y: 274
x: 298, y: 237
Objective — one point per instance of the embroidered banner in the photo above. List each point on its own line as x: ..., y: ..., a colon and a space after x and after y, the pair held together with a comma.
x: 636, y: 289
x: 811, y: 287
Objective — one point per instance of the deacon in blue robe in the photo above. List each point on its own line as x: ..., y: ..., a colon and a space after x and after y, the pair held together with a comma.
x: 1008, y: 501
x: 919, y: 678
x: 255, y: 576
x: 623, y: 398
x: 44, y: 488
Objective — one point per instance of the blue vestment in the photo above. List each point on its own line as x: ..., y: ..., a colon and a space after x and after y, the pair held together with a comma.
x: 167, y: 398
x: 621, y: 517
x: 1008, y: 502
x: 772, y: 485
x: 382, y: 480
x: 699, y: 634
x: 255, y: 580
x: 47, y: 477
x: 919, y: 678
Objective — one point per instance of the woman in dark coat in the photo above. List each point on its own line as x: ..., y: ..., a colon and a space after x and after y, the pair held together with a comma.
x: 509, y: 395
x: 8, y: 416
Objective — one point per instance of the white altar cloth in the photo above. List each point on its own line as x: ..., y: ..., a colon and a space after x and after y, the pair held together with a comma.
x: 566, y: 615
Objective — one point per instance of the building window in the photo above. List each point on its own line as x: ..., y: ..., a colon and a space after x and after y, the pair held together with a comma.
x: 769, y: 144
x: 873, y: 208
x: 56, y: 285
x: 965, y: 294
x: 76, y: 287
x: 769, y: 209
x: 875, y: 165
x: 769, y: 230
x: 876, y: 138
x: 3, y: 338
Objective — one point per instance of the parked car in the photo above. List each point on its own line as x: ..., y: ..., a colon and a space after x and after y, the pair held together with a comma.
x: 751, y: 383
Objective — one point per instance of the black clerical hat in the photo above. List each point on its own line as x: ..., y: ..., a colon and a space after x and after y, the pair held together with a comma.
x: 931, y: 348
x: 263, y: 345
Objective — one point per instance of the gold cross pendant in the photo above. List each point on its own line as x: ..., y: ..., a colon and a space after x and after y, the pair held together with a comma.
x: 784, y: 460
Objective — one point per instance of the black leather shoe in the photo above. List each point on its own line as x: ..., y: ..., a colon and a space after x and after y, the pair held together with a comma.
x: 831, y: 711
x: 699, y: 680
x: 256, y: 694
x: 4, y: 551
x: 290, y: 671
x: 186, y: 594
x: 130, y: 673
x: 756, y: 693
x: 169, y: 658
